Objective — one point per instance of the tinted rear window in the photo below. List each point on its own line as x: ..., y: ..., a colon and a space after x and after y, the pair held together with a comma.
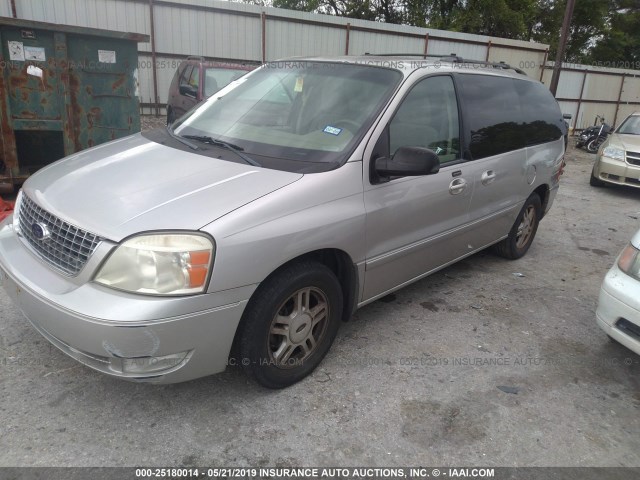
x: 540, y: 111
x: 505, y: 114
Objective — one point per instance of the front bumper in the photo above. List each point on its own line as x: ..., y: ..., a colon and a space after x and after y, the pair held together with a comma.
x: 619, y: 308
x: 128, y: 336
x: 616, y: 171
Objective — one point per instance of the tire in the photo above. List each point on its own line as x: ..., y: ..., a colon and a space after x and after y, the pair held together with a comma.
x: 521, y: 236
x: 595, y: 182
x: 171, y: 117
x: 280, y: 343
x: 593, y: 145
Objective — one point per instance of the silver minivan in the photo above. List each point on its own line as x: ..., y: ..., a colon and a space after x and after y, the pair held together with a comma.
x: 246, y: 232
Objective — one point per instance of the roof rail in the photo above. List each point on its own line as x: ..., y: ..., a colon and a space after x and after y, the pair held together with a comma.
x: 421, y: 55
x: 500, y: 65
x: 196, y: 57
x: 453, y: 58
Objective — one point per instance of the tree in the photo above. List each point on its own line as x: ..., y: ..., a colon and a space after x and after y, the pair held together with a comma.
x: 388, y: 11
x: 587, y: 24
x: 620, y: 43
x: 438, y: 14
x: 497, y: 18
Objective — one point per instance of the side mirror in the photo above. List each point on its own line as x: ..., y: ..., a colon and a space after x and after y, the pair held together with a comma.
x: 567, y: 116
x: 407, y: 162
x: 188, y: 90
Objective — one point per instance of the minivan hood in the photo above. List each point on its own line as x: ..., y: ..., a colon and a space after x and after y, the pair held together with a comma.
x: 626, y: 141
x: 133, y: 185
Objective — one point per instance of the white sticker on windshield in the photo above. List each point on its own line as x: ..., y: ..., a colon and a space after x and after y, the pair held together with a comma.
x: 332, y: 130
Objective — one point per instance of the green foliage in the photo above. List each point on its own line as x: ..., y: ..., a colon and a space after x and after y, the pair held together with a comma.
x: 620, y: 43
x: 587, y: 25
x: 498, y: 18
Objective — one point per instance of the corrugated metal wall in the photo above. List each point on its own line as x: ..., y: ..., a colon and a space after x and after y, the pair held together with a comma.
x: 586, y: 92
x: 5, y: 8
x: 244, y: 32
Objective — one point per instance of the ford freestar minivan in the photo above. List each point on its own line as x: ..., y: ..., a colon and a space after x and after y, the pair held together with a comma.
x: 263, y: 219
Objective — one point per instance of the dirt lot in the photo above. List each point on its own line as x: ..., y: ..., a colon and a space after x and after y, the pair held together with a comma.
x: 472, y: 366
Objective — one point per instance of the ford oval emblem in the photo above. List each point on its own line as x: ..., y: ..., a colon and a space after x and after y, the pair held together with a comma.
x: 40, y: 231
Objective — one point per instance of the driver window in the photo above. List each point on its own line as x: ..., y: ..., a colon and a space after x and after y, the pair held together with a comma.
x: 186, y: 74
x: 428, y: 117
x: 194, y: 80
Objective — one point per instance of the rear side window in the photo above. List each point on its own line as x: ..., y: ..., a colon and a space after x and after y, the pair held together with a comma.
x: 493, y: 115
x: 540, y: 112
x: 506, y: 114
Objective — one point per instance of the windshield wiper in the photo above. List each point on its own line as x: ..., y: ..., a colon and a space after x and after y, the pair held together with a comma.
x: 181, y: 139
x: 219, y: 143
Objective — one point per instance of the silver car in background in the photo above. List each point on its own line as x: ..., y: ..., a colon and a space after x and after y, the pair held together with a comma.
x: 262, y: 220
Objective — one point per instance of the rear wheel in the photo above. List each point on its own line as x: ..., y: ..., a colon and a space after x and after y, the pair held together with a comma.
x: 290, y: 324
x: 523, y: 231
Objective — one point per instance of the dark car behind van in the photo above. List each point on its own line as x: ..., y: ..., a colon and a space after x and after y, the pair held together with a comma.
x: 195, y: 80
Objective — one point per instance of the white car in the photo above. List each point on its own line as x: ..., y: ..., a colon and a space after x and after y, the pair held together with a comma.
x: 618, y: 310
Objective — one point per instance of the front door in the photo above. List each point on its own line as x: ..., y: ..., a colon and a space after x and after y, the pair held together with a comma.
x: 416, y: 224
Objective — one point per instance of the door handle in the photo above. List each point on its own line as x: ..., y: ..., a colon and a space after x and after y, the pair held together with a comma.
x: 488, y: 177
x: 457, y: 186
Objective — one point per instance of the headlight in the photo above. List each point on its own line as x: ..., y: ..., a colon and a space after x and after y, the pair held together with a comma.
x: 614, y: 153
x: 16, y: 212
x: 629, y: 261
x: 160, y: 264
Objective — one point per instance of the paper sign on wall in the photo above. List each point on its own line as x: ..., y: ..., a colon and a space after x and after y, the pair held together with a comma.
x: 36, y: 54
x: 35, y: 71
x: 16, y: 51
x: 106, y: 56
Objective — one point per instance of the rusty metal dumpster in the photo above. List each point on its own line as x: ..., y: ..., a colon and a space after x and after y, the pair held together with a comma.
x: 63, y: 89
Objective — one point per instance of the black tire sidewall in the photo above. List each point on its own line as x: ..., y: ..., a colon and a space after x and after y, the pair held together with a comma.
x: 593, y: 143
x: 516, y: 252
x: 256, y: 322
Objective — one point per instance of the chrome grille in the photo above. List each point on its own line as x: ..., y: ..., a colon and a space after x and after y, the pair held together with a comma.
x: 67, y: 248
x: 633, y: 158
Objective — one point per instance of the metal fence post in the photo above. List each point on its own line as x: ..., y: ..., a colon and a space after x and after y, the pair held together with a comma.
x: 153, y: 59
x: 615, y: 117
x: 263, y: 17
x: 346, y: 48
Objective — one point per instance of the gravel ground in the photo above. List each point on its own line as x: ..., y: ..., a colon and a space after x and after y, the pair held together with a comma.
x: 474, y: 365
x: 149, y: 122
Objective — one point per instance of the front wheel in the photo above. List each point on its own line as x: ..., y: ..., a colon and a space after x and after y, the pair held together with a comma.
x: 593, y: 145
x: 290, y: 324
x: 523, y: 231
x: 171, y: 117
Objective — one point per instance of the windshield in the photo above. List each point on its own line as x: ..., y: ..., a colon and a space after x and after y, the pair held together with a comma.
x: 295, y: 111
x: 216, y: 78
x: 631, y: 126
